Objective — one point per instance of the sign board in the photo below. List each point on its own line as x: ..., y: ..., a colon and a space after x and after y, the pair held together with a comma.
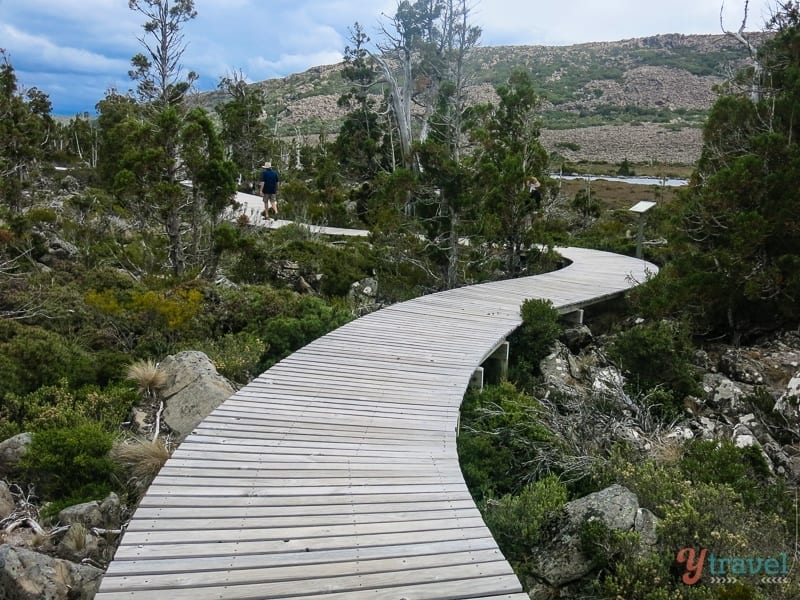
x: 642, y: 206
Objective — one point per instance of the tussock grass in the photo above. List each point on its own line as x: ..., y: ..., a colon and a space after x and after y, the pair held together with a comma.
x: 74, y: 539
x: 667, y: 451
x: 147, y: 375
x: 140, y: 459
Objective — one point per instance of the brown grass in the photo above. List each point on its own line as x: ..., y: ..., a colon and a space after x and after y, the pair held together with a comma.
x: 140, y: 459
x: 75, y: 538
x: 667, y: 451
x: 617, y: 195
x: 147, y: 375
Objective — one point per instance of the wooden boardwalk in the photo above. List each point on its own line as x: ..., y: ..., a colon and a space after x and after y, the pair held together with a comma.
x: 334, y: 474
x: 251, y: 206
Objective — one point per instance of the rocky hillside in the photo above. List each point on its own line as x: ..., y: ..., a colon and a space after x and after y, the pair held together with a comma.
x: 643, y: 99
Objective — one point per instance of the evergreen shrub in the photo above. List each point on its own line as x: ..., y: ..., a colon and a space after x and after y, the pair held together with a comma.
x: 534, y: 339
x: 236, y: 356
x: 70, y: 465
x: 516, y: 519
x: 31, y: 357
x: 60, y: 406
x: 499, y: 436
x: 657, y: 354
x: 745, y: 470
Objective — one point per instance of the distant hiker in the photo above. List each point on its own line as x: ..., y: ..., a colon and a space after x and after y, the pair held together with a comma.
x: 535, y: 193
x: 269, y: 189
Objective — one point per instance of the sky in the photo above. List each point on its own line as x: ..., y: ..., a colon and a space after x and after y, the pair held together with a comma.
x: 76, y: 50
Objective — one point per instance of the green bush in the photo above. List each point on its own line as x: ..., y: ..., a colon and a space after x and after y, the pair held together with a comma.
x: 515, y: 519
x: 625, y: 169
x: 649, y: 578
x: 70, y: 464
x: 607, y: 547
x: 339, y: 265
x: 282, y: 320
x: 586, y: 204
x: 31, y: 357
x: 245, y: 307
x: 237, y: 356
x: 499, y: 435
x: 654, y: 484
x: 713, y: 516
x: 743, y: 469
x: 713, y: 495
x: 145, y: 319
x: 657, y: 354
x: 534, y: 339
x: 54, y: 406
x: 253, y: 265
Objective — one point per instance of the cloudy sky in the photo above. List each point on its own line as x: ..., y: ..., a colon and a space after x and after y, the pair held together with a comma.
x: 75, y: 50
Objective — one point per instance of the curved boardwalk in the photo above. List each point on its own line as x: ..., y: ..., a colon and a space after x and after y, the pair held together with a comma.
x: 334, y: 474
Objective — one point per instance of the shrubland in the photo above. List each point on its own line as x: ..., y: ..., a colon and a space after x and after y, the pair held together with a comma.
x: 119, y: 262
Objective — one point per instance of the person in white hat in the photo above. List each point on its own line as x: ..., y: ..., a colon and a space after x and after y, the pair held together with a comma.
x: 270, y: 181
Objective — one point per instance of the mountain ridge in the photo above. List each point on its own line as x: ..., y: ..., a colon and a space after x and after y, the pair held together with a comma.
x: 641, y: 99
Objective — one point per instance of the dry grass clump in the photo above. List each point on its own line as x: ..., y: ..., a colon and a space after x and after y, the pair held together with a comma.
x: 140, y: 459
x: 75, y: 538
x: 148, y: 376
x: 667, y: 451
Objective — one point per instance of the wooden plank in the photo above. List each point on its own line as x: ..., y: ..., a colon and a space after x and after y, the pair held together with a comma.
x: 494, y: 576
x: 362, y: 405
x: 205, y: 528
x: 191, y: 453
x: 306, y: 490
x: 191, y: 466
x: 158, y: 500
x: 261, y: 472
x: 220, y: 444
x: 236, y: 577
x: 345, y: 444
x: 128, y: 551
x: 321, y: 442
x: 386, y: 379
x: 276, y: 520
x: 289, y: 484
x: 299, y: 532
x: 394, y: 391
x: 254, y: 561
x: 350, y: 408
x: 313, y: 421
x: 167, y: 517
x: 255, y: 396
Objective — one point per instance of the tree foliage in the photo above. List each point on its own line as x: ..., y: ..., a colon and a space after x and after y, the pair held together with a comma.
x: 158, y: 71
x: 241, y: 127
x: 420, y: 58
x: 738, y: 222
x: 508, y: 153
x: 363, y: 140
x: 25, y: 123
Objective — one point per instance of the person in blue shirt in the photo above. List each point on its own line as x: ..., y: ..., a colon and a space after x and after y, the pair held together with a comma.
x: 269, y: 189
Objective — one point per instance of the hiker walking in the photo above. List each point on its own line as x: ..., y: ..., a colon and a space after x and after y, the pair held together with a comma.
x: 269, y: 189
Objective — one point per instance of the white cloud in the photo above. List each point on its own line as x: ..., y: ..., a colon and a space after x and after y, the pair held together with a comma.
x: 52, y: 41
x: 38, y: 53
x: 262, y: 68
